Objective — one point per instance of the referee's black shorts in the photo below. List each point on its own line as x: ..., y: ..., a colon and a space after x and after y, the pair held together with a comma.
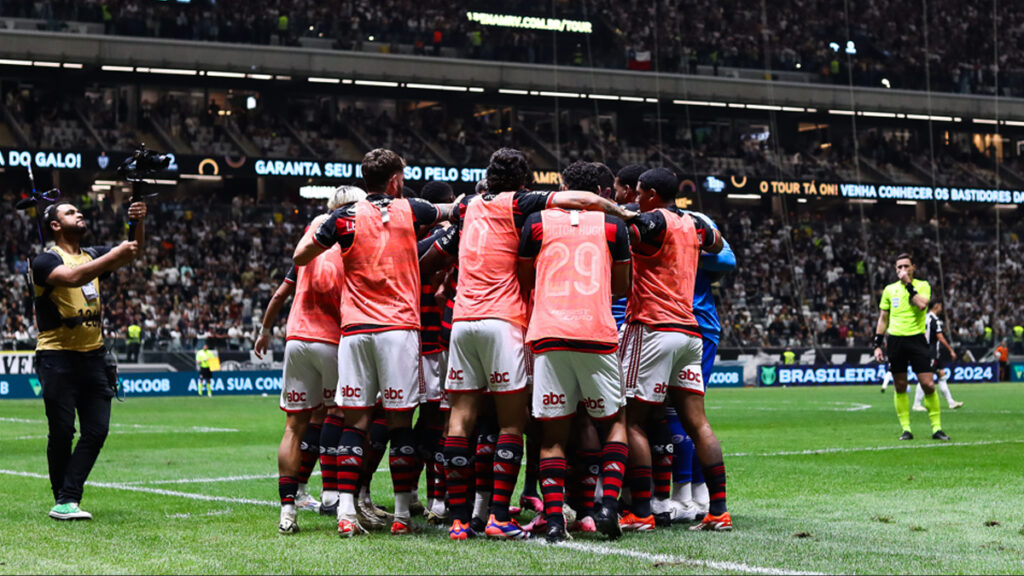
x: 205, y: 373
x: 912, y: 351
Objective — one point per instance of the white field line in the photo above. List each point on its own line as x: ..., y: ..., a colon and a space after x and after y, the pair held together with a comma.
x: 207, y: 480
x: 154, y: 429
x: 873, y: 448
x: 160, y: 491
x: 605, y: 550
x: 190, y: 515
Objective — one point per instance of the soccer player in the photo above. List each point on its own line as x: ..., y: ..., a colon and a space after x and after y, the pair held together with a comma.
x: 689, y: 497
x: 310, y: 373
x: 942, y: 354
x: 625, y: 184
x: 379, y: 348
x: 662, y: 347
x: 577, y: 260
x: 487, y: 351
x: 902, y: 315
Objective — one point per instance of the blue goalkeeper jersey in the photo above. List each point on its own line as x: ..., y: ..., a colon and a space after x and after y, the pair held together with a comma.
x: 703, y: 300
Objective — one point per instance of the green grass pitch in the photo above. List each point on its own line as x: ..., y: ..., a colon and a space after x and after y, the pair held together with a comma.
x: 817, y: 483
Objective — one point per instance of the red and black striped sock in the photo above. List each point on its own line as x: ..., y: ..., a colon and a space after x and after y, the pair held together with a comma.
x: 590, y: 464
x: 350, y: 459
x: 613, y: 470
x: 310, y: 451
x: 714, y: 476
x: 438, y: 490
x: 426, y: 444
x: 508, y: 455
x: 287, y: 486
x: 484, y: 465
x: 661, y: 459
x: 404, y: 463
x: 552, y: 486
x: 640, y: 489
x: 458, y: 457
x: 330, y: 438
x: 377, y: 448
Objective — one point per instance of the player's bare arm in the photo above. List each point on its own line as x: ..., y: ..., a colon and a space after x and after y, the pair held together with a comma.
x: 880, y: 328
x: 281, y: 295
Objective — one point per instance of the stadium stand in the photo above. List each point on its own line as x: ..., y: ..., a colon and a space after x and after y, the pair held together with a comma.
x: 802, y: 37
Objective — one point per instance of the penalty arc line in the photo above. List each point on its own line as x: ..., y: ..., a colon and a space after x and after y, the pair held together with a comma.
x: 667, y: 559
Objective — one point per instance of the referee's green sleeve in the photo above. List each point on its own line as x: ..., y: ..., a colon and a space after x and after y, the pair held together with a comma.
x: 885, y: 304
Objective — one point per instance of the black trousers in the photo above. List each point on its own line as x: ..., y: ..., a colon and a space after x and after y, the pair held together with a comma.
x: 74, y: 382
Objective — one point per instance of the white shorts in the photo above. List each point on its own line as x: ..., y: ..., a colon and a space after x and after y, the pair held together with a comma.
x: 654, y: 361
x: 380, y: 363
x: 564, y: 378
x: 310, y: 375
x: 434, y: 367
x: 488, y: 354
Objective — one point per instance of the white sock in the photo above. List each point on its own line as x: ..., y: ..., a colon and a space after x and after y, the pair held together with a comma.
x: 302, y: 490
x: 288, y: 509
x: 346, y: 504
x: 402, y: 500
x: 943, y: 387
x: 438, y: 507
x: 682, y: 492
x: 364, y: 494
x: 886, y: 380
x: 481, y: 505
x: 918, y: 395
x: 330, y: 497
x: 598, y: 492
x: 701, y: 496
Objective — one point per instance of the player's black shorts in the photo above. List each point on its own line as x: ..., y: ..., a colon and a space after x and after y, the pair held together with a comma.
x: 910, y: 351
x: 941, y: 360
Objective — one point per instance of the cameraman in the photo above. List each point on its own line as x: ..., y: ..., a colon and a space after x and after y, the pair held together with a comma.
x: 69, y: 351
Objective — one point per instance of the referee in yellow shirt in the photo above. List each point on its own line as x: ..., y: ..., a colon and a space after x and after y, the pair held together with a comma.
x: 70, y: 351
x: 903, y: 309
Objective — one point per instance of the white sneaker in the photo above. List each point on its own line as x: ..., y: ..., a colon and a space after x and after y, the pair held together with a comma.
x: 680, y: 512
x: 287, y: 524
x: 349, y: 526
x: 304, y: 501
x: 570, y: 514
x: 956, y: 405
x: 918, y: 408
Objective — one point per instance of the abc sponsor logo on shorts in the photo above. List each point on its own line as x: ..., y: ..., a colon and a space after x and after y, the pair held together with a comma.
x: 349, y: 392
x: 552, y: 399
x: 690, y: 376
x: 661, y: 388
x: 145, y: 385
x: 295, y: 397
x: 394, y: 394
x: 499, y: 378
x: 593, y: 403
x: 454, y: 374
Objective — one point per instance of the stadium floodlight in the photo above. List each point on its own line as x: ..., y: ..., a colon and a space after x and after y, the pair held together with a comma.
x: 602, y: 97
x: 842, y: 112
x: 117, y: 68
x: 44, y: 64
x: 321, y: 80
x: 513, y: 91
x: 73, y: 65
x: 793, y: 109
x: 878, y: 114
x: 907, y: 202
x: 560, y: 94
x: 743, y: 196
x: 475, y: 89
x: 631, y: 99
x: 376, y: 83
x: 1013, y: 123
x: 171, y: 71
x: 250, y: 103
x: 885, y: 82
x: 222, y: 74
x: 448, y: 87
x: 764, y: 107
x: 6, y: 62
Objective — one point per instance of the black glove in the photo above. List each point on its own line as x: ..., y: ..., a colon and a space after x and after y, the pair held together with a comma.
x: 910, y: 289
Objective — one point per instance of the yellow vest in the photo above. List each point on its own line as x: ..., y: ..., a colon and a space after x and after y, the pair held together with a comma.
x: 69, y: 318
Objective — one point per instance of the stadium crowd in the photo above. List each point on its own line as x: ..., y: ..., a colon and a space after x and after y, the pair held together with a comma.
x: 211, y: 267
x: 889, y: 40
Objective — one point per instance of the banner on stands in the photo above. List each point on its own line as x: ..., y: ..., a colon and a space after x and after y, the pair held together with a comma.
x: 146, y: 384
x: 776, y: 375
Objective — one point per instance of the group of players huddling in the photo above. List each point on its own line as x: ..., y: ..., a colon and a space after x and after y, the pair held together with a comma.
x: 493, y: 314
